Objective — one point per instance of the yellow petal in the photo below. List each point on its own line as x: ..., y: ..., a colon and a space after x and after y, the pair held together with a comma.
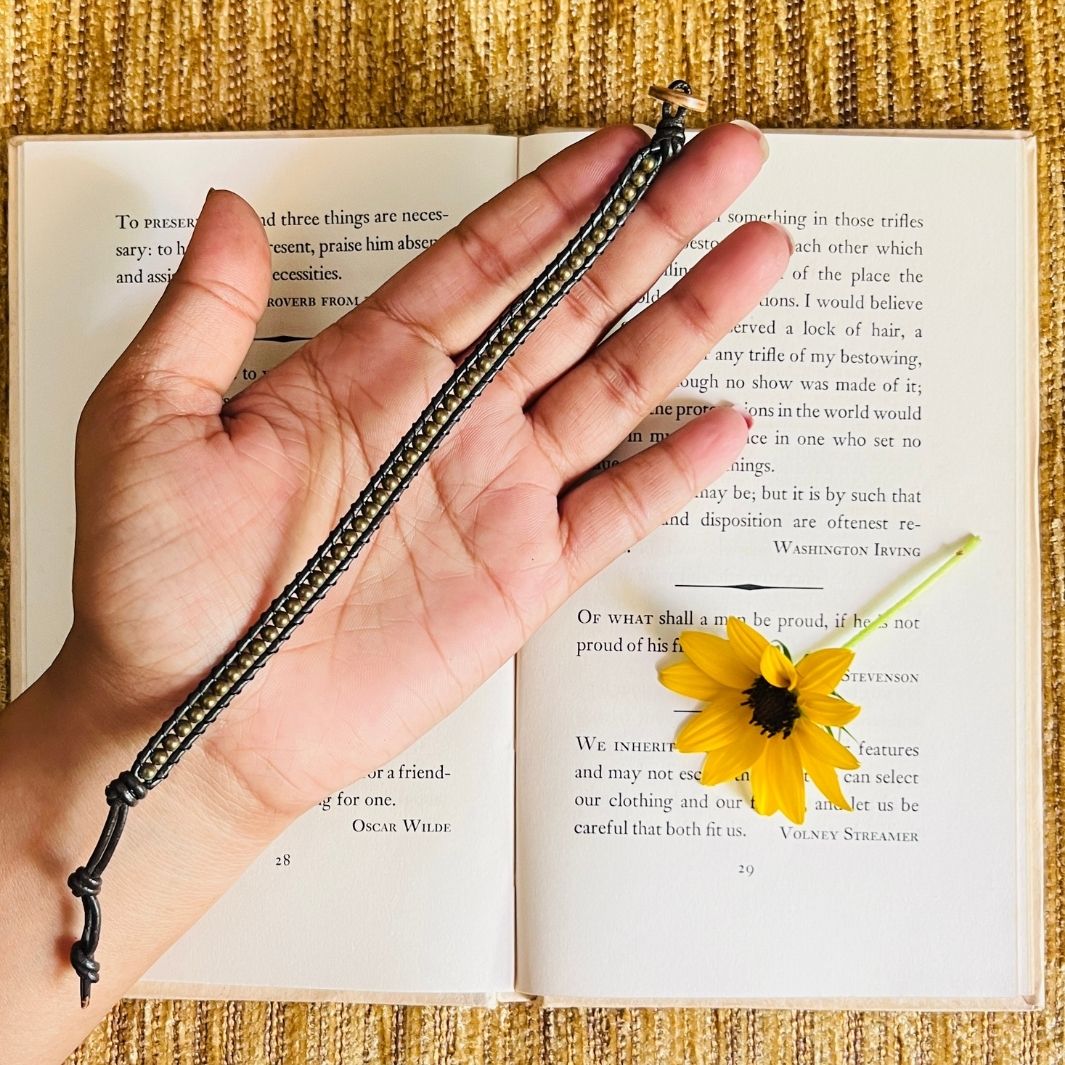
x: 823, y: 776
x: 765, y: 801
x: 821, y: 671
x: 776, y: 668
x: 748, y: 644
x: 826, y: 710
x: 818, y: 744
x: 713, y: 728
x: 715, y: 657
x: 687, y: 679
x: 729, y: 762
x: 784, y: 764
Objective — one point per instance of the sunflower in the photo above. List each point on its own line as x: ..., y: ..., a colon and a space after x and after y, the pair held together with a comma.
x: 765, y: 714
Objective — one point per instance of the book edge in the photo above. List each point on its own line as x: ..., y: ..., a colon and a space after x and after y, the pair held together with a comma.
x: 1032, y: 965
x: 16, y: 612
x: 1018, y: 1004
x: 157, y: 989
x: 483, y: 129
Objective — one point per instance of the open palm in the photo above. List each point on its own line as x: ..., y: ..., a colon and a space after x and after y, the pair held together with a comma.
x: 192, y: 515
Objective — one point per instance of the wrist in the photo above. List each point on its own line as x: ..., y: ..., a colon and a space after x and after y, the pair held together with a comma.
x: 184, y: 845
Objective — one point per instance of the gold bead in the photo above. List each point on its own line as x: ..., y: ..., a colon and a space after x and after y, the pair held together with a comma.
x: 371, y: 510
x: 184, y: 729
x: 171, y: 743
x: 350, y: 536
x: 220, y: 688
x: 619, y: 207
x: 462, y: 389
x: 381, y: 496
x: 402, y: 469
x: 609, y: 221
x: 410, y: 455
x: 430, y: 430
x: 648, y: 164
x: 148, y: 772
x: 234, y: 673
x: 599, y: 234
x: 638, y: 180
x: 485, y: 363
x: 247, y: 661
x: 159, y: 757
x: 628, y: 192
x: 518, y: 321
x: 542, y: 299
x: 271, y: 633
x: 421, y: 442
x: 391, y: 482
x: 576, y: 262
x: 553, y: 286
x: 305, y: 594
x: 495, y: 350
x: 439, y: 416
x: 451, y: 403
x: 198, y: 714
x: 587, y: 246
x: 258, y: 647
x: 210, y: 701
x: 319, y: 579
x: 565, y: 273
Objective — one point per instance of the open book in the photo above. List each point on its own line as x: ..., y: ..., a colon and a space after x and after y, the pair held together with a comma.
x: 546, y: 840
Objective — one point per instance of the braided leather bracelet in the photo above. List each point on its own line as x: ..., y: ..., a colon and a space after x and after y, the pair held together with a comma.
x: 248, y: 655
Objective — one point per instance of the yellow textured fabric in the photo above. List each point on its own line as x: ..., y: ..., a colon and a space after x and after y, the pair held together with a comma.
x: 84, y: 66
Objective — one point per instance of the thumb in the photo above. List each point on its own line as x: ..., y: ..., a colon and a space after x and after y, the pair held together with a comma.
x: 193, y: 343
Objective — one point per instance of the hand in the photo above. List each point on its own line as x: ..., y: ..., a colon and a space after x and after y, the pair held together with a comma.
x: 191, y: 515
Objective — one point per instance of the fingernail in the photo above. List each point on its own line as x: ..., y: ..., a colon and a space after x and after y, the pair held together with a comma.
x: 742, y: 411
x: 753, y: 129
x: 787, y: 236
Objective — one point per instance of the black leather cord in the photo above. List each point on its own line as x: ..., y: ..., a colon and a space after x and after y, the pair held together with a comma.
x: 488, y: 356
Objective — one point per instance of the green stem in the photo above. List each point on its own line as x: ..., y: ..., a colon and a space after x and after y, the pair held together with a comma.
x: 967, y: 546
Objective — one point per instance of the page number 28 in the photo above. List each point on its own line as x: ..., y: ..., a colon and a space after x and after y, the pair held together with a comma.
x: 746, y: 870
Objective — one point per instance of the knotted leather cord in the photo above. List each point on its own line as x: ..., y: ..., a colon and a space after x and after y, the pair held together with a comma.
x: 299, y: 597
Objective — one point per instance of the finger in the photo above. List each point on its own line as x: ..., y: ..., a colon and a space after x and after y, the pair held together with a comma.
x: 445, y: 298
x: 592, y: 408
x: 714, y: 168
x: 191, y: 347
x: 603, y: 516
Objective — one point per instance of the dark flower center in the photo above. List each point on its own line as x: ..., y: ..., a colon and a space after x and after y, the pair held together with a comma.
x: 773, y: 709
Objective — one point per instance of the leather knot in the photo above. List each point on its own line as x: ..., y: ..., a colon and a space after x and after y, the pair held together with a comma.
x: 85, y: 965
x: 82, y: 883
x: 126, y: 788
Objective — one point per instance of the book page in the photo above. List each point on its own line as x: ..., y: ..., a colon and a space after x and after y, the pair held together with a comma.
x: 890, y: 377
x: 401, y: 885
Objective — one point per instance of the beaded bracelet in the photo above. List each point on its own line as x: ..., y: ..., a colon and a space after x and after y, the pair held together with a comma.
x: 299, y: 597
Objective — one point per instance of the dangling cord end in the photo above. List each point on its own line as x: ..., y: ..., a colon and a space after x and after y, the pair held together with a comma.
x: 85, y: 882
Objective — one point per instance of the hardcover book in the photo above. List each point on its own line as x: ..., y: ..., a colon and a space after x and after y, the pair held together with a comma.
x: 548, y: 839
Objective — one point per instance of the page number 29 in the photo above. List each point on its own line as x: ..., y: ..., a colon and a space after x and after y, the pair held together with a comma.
x: 746, y: 870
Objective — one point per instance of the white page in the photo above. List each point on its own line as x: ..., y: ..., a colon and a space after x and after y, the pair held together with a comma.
x: 938, y: 900
x: 405, y: 913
